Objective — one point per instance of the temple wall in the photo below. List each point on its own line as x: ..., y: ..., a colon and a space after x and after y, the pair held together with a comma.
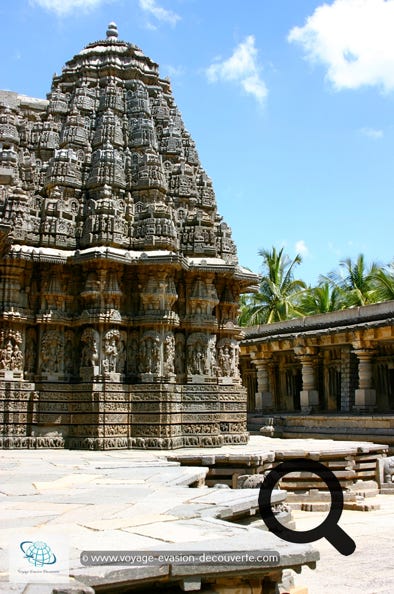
x: 115, y: 415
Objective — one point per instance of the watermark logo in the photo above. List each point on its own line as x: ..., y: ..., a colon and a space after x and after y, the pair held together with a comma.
x: 38, y: 553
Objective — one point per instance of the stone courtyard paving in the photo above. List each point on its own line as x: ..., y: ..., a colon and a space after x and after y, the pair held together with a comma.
x: 131, y: 499
x: 370, y: 569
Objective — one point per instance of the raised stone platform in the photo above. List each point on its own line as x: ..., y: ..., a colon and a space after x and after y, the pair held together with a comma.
x: 129, y: 500
x: 376, y: 428
x: 350, y: 461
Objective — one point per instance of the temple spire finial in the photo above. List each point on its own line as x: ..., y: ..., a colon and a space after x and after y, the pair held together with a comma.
x: 112, y: 31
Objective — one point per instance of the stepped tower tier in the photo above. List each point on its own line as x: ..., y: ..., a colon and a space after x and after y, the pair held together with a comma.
x: 119, y: 280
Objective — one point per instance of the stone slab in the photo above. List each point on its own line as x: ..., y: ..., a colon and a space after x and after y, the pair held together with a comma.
x: 159, y: 512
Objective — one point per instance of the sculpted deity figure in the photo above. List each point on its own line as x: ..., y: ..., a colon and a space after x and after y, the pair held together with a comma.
x: 6, y: 358
x: 11, y: 357
x: 30, y: 350
x: 111, y: 350
x: 225, y: 360
x: 169, y: 354
x: 150, y: 353
x: 90, y: 355
x: 198, y: 359
x: 51, y: 351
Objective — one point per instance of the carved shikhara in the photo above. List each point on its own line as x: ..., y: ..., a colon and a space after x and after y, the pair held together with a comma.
x: 119, y: 281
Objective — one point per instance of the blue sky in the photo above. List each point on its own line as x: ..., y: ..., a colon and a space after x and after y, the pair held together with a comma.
x: 290, y: 102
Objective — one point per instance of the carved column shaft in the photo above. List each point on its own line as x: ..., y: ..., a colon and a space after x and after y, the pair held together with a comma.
x: 262, y: 375
x: 309, y: 395
x: 263, y: 396
x: 308, y: 373
x: 364, y: 368
x: 365, y: 395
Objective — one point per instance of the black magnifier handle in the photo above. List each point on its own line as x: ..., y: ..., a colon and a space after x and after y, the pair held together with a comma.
x: 340, y: 540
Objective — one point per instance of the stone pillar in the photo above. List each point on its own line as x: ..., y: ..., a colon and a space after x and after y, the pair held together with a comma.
x: 345, y: 379
x: 309, y: 396
x: 263, y: 396
x: 365, y: 395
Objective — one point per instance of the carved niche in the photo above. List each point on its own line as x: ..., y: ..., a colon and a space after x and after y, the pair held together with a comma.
x: 11, y: 356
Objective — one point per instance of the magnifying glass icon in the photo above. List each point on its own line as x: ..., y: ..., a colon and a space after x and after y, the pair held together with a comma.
x: 328, y: 529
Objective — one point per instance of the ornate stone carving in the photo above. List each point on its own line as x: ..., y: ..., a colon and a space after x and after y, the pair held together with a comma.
x: 198, y: 354
x: 179, y: 354
x: 52, y: 355
x: 112, y: 260
x: 111, y: 351
x: 11, y: 356
x: 90, y: 352
x: 168, y: 355
x: 150, y: 353
x: 228, y: 358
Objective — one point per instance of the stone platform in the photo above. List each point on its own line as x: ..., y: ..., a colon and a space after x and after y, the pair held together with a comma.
x: 350, y: 461
x: 376, y: 428
x: 133, y: 500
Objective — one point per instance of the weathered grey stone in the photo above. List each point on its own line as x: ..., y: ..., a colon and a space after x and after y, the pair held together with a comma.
x: 119, y: 279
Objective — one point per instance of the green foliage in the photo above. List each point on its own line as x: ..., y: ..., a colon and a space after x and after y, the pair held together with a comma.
x: 383, y: 280
x: 355, y: 281
x: 321, y: 299
x: 282, y: 297
x: 278, y: 291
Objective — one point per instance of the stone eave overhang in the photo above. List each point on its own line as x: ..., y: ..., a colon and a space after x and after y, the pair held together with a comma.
x: 13, y: 100
x: 122, y: 256
x: 349, y: 320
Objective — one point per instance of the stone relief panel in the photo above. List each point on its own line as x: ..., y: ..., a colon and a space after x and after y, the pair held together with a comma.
x: 202, y: 300
x: 90, y: 358
x: 228, y: 358
x: 114, y: 352
x: 159, y: 293
x: 149, y: 355
x: 169, y: 355
x: 52, y: 351
x: 11, y: 355
x: 133, y: 354
x: 201, y: 357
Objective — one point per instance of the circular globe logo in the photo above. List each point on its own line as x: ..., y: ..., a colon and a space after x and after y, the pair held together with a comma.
x: 38, y: 553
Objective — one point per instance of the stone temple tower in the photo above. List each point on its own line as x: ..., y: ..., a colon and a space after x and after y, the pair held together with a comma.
x: 119, y: 281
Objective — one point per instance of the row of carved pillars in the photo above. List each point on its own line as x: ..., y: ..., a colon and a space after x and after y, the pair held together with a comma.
x: 365, y: 394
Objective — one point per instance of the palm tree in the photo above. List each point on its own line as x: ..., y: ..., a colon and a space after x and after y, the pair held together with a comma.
x: 278, y: 293
x: 321, y: 299
x: 383, y: 280
x: 356, y: 283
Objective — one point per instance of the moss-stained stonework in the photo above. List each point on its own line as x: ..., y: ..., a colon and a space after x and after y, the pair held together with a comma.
x: 119, y: 281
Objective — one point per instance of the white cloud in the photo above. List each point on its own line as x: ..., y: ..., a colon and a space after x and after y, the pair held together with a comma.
x: 173, y: 71
x: 301, y: 248
x: 242, y: 68
x: 353, y: 39
x: 372, y: 133
x: 161, y: 14
x: 64, y: 7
